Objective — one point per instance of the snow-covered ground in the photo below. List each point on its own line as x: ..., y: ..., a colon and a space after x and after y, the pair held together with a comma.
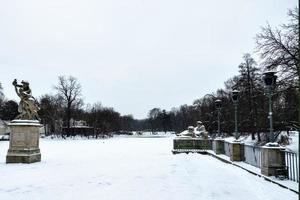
x: 287, y: 183
x: 128, y: 168
x: 294, y: 141
x: 292, y: 146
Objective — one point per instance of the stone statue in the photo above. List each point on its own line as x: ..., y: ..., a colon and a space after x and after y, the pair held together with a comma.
x: 189, y: 133
x: 201, y: 131
x: 28, y: 106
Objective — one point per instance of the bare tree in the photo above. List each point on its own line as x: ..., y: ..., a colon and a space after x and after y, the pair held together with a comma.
x: 51, y: 112
x: 70, y: 91
x: 153, y: 115
x: 1, y: 94
x: 249, y: 75
x: 9, y: 110
x: 280, y: 48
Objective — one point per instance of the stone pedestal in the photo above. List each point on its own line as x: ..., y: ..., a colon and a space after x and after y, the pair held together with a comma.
x: 24, y: 142
x: 191, y: 143
x: 237, y: 153
x: 272, y: 159
x: 218, y: 146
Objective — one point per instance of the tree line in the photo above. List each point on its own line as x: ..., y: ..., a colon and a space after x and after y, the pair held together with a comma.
x: 67, y: 106
x: 58, y: 111
x: 278, y: 49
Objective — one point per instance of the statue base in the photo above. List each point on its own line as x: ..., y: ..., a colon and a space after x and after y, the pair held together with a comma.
x: 191, y: 143
x: 24, y: 142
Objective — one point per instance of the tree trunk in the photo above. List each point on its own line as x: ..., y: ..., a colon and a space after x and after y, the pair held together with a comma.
x: 249, y: 88
x: 68, y: 112
x: 298, y: 92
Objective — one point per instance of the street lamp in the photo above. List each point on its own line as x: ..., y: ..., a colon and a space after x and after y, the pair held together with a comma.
x: 235, y: 99
x: 269, y: 79
x: 218, y: 104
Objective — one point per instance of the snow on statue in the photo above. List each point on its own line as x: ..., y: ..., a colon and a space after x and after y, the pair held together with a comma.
x: 199, y: 131
x: 28, y: 106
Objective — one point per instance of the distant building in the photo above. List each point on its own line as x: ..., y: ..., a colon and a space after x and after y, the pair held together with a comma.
x: 78, y: 123
x: 78, y: 127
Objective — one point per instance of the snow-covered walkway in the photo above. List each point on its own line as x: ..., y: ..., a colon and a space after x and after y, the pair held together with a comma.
x: 129, y: 168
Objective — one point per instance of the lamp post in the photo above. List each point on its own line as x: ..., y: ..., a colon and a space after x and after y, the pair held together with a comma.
x: 235, y: 99
x: 218, y: 104
x: 269, y: 79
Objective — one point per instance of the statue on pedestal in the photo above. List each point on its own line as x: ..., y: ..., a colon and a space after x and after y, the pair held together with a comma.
x: 28, y: 106
x: 199, y: 131
x: 25, y: 129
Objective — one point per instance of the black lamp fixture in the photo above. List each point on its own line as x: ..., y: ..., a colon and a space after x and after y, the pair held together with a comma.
x: 235, y: 96
x: 218, y: 103
x: 269, y: 79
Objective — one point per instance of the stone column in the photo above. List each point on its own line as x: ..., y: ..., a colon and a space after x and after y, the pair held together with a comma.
x: 218, y: 146
x: 272, y: 159
x: 236, y: 151
x: 24, y: 142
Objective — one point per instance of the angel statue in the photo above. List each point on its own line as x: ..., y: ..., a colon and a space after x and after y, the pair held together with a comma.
x: 28, y: 106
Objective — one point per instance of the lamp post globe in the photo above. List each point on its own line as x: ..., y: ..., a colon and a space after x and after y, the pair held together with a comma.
x: 269, y: 79
x: 235, y: 96
x: 218, y: 103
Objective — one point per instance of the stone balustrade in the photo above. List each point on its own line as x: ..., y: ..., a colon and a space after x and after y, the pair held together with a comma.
x: 272, y: 157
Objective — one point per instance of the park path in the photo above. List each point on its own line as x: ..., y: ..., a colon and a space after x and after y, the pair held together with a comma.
x: 129, y: 168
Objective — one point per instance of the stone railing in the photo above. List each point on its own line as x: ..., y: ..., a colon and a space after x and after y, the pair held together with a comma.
x: 269, y: 159
x: 252, y: 155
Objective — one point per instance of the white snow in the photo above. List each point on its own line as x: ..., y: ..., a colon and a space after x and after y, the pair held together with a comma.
x: 294, y: 141
x: 288, y: 183
x: 129, y: 168
x: 229, y: 139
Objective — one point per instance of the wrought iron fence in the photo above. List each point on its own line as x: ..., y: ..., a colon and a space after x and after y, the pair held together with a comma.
x: 292, y: 162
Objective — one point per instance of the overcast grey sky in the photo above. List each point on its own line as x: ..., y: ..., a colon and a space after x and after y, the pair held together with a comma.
x: 132, y: 55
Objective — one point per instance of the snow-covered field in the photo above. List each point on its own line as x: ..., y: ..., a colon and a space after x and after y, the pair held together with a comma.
x: 128, y: 168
